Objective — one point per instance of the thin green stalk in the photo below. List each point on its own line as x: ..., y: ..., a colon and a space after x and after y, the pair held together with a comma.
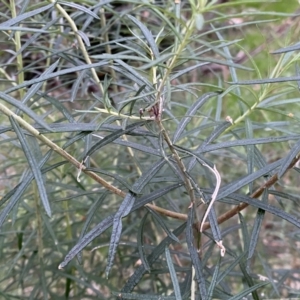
x: 39, y: 240
x: 115, y: 88
x: 107, y: 48
x: 39, y: 224
x: 187, y: 32
x: 80, y: 42
x: 187, y: 181
x: 18, y: 47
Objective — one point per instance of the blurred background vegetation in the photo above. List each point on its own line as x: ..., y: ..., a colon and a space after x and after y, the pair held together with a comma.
x: 91, y: 91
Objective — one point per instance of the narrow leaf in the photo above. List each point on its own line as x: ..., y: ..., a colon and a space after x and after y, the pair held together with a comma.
x: 84, y: 37
x: 148, y: 175
x: 140, y: 243
x: 248, y: 291
x: 160, y: 221
x: 245, y: 142
x: 35, y: 87
x: 136, y: 75
x: 257, y: 226
x: 287, y: 49
x: 89, y: 216
x: 123, y: 211
x: 26, y: 15
x: 25, y: 29
x: 140, y: 271
x: 116, y: 177
x: 173, y: 274
x: 147, y: 34
x: 237, y: 184
x: 288, y: 159
x: 33, y: 165
x: 19, y: 190
x: 190, y: 113
x: 147, y: 296
x: 231, y: 267
x: 107, y: 222
x: 55, y: 74
x: 110, y: 138
x: 298, y: 74
x: 25, y: 109
x: 267, y: 80
x: 269, y: 208
x: 213, y: 221
x: 60, y: 107
x: 79, y: 7
x: 214, y: 281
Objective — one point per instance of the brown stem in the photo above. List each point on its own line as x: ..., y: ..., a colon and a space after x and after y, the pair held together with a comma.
x: 229, y: 214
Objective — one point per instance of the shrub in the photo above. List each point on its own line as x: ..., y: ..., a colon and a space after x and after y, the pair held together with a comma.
x: 154, y: 135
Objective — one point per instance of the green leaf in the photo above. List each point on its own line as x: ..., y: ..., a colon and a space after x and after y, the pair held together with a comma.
x: 84, y: 37
x: 266, y: 80
x: 246, y: 292
x: 230, y: 268
x: 138, y: 146
x: 9, y: 99
x: 188, y: 69
x: 213, y: 136
x: 267, y: 207
x: 34, y: 37
x: 18, y: 191
x: 142, y: 296
x: 24, y: 16
x: 110, y: 138
x: 237, y: 184
x: 79, y: 7
x: 35, y: 87
x: 107, y: 222
x: 60, y: 107
x: 140, y: 243
x: 136, y: 76
x: 213, y: 221
x: 33, y: 165
x: 247, y: 277
x: 161, y: 222
x: 140, y: 271
x: 190, y: 113
x: 287, y: 49
x: 123, y: 211
x: 214, y: 281
x: 245, y: 233
x: 257, y: 227
x: 147, y: 34
x: 22, y: 29
x: 286, y: 163
x: 245, y: 142
x: 116, y: 177
x: 55, y: 74
x: 89, y: 216
x: 173, y: 274
x: 229, y: 61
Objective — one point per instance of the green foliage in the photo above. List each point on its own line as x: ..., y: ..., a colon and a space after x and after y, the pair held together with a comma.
x: 149, y: 149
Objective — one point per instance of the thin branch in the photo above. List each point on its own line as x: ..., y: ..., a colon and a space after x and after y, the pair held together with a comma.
x: 229, y: 214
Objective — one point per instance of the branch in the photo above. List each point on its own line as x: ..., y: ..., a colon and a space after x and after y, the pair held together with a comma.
x: 229, y: 214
